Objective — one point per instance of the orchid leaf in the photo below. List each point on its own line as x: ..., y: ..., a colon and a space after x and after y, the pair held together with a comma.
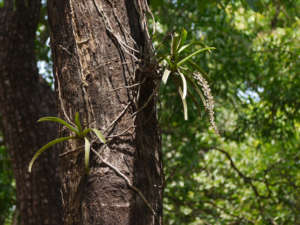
x: 86, y: 131
x: 185, y: 110
x: 166, y: 76
x: 174, y: 44
x: 184, y: 84
x: 192, y: 43
x: 77, y: 122
x: 99, y: 135
x: 45, y: 147
x: 197, y: 89
x: 193, y: 54
x: 87, y: 146
x: 183, y: 36
x: 197, y: 67
x: 182, y: 48
x: 59, y: 120
x: 197, y: 104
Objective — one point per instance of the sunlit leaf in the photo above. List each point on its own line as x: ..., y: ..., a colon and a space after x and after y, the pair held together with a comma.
x: 99, y: 135
x: 45, y: 147
x: 168, y: 62
x: 194, y: 54
x: 166, y: 76
x: 182, y: 48
x: 191, y: 44
x: 87, y: 146
x: 184, y: 85
x: 183, y: 36
x: 185, y: 110
x: 196, y: 88
x: 174, y: 44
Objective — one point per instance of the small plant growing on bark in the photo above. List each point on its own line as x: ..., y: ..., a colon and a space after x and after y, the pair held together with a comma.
x: 79, y: 133
x: 175, y: 66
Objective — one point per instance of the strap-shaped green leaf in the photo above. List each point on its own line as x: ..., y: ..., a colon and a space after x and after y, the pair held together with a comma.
x: 183, y: 36
x: 59, y: 120
x: 193, y: 43
x: 196, y: 88
x: 45, y: 147
x: 185, y: 109
x: 182, y: 48
x: 175, y: 44
x: 166, y: 76
x: 87, y: 146
x: 197, y: 67
x: 193, y: 54
x: 194, y: 99
x: 184, y: 84
x: 77, y: 122
x: 161, y: 57
x: 99, y: 135
x: 86, y: 131
x: 168, y: 62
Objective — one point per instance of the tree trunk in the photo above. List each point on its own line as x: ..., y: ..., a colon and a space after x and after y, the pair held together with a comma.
x: 24, y: 97
x: 103, y: 70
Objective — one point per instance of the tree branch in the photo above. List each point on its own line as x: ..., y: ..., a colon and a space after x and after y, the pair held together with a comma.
x: 247, y: 180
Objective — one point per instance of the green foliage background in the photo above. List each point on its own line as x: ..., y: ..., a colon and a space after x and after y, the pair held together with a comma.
x: 250, y: 174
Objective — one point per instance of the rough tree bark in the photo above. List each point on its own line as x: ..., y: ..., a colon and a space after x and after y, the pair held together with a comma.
x: 103, y: 69
x: 24, y: 97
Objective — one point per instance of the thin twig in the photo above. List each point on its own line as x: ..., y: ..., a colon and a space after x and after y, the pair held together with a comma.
x: 62, y: 102
x: 110, y: 61
x: 71, y: 151
x: 108, y: 27
x: 66, y: 50
x: 122, y: 133
x: 247, y: 180
x: 152, y: 16
x: 117, y: 171
x: 148, y: 100
x: 118, y: 117
x: 129, y: 86
x: 122, y: 29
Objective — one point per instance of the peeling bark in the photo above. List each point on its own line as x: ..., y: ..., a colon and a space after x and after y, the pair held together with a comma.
x: 103, y: 70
